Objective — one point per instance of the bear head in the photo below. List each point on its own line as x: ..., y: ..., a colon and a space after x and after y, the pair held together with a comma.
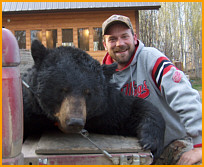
x: 69, y: 85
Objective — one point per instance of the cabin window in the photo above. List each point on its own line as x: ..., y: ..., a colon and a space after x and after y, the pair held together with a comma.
x: 51, y: 38
x: 67, y: 37
x: 36, y: 34
x: 21, y: 39
x: 83, y: 38
x: 98, y: 44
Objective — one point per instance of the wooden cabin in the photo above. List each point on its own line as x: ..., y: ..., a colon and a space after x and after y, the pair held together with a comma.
x: 67, y: 23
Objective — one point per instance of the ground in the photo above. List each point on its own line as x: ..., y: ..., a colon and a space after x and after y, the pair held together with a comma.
x: 197, y: 84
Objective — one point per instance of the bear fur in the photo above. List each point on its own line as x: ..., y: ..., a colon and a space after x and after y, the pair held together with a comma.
x: 65, y: 73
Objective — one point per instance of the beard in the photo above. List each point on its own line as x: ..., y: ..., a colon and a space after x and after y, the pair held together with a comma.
x: 122, y: 54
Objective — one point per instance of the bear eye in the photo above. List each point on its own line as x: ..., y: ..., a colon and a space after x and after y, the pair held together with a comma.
x: 87, y: 92
x: 65, y: 90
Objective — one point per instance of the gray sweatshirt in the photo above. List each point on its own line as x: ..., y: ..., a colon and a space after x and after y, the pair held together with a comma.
x: 151, y: 76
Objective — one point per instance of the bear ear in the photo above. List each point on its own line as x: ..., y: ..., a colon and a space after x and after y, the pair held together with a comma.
x: 38, y: 51
x: 109, y: 70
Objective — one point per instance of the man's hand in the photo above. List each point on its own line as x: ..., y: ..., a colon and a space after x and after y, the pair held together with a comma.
x: 191, y: 157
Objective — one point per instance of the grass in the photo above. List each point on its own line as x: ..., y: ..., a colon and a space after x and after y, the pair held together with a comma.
x: 196, y: 83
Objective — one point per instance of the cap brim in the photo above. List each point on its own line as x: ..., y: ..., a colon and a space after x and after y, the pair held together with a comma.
x: 113, y: 22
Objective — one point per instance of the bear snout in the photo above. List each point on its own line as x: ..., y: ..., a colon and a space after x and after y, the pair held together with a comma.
x: 74, y: 125
x: 72, y: 114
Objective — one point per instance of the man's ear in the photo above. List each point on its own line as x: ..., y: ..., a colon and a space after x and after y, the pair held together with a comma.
x: 135, y: 38
x: 104, y: 44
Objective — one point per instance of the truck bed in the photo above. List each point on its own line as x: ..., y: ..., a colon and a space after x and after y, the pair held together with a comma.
x: 57, y: 148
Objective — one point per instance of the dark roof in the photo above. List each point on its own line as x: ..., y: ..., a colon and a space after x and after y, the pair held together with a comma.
x: 47, y: 6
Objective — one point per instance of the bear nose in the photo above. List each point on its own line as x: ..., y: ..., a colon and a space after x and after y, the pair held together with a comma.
x: 78, y: 122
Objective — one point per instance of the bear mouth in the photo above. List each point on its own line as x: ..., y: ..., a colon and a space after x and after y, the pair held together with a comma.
x: 73, y: 125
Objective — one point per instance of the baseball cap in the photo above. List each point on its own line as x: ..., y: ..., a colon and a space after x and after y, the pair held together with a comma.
x: 116, y: 18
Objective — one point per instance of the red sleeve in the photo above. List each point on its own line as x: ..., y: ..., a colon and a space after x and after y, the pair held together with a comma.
x: 198, y: 145
x: 161, y: 67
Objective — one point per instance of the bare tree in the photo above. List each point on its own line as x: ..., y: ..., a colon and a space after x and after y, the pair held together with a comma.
x: 176, y: 30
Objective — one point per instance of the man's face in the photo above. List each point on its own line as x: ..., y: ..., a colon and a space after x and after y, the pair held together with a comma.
x: 120, y: 43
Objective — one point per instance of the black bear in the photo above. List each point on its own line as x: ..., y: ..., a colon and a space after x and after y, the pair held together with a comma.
x: 65, y: 81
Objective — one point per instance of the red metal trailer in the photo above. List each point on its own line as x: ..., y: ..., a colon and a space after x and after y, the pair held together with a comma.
x: 57, y: 148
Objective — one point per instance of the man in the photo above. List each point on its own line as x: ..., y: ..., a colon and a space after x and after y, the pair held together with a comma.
x: 147, y: 73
